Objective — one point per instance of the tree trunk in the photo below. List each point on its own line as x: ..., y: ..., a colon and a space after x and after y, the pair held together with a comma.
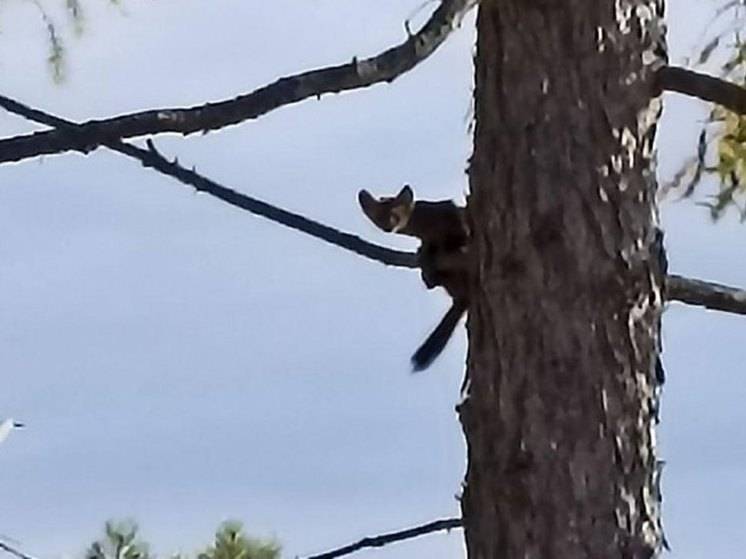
x: 561, y: 392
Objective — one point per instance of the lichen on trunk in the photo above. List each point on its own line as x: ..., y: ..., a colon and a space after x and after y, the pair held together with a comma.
x: 563, y: 326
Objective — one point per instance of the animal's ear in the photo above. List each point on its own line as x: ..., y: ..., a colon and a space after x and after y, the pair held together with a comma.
x: 366, y: 201
x: 405, y: 196
x: 371, y: 208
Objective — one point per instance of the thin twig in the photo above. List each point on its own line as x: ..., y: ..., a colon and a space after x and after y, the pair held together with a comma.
x: 686, y: 290
x: 13, y: 551
x: 151, y: 158
x: 385, y: 539
x: 385, y: 67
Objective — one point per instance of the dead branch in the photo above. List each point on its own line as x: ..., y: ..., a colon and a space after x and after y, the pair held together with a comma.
x: 385, y: 539
x: 706, y: 294
x: 13, y: 551
x: 369, y: 542
x: 686, y: 290
x: 385, y: 67
x: 152, y: 158
x: 702, y: 86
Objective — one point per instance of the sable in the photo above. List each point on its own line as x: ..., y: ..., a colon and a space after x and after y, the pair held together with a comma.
x: 686, y: 290
x: 443, y: 255
x: 152, y: 158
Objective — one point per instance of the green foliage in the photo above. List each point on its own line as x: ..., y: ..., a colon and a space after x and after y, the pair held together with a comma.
x: 75, y: 13
x: 121, y: 541
x: 232, y: 543
x: 731, y: 163
x: 56, y: 58
x: 722, y: 139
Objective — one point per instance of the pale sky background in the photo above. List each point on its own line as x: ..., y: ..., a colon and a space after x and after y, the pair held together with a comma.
x: 182, y: 362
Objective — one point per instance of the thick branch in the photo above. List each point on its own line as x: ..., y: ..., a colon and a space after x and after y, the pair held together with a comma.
x: 384, y: 67
x: 706, y: 294
x: 384, y: 539
x: 151, y: 158
x: 702, y: 86
x: 685, y: 290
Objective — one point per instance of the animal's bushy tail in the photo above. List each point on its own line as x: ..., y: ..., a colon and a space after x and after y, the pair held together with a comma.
x: 438, y: 338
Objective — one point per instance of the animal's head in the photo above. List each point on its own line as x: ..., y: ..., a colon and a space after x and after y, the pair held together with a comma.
x: 390, y: 213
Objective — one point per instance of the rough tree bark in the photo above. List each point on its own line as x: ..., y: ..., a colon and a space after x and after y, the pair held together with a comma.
x: 561, y: 393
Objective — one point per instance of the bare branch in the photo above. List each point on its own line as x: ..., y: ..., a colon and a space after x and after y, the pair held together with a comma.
x: 292, y: 220
x: 445, y: 524
x: 685, y: 290
x: 385, y: 539
x: 384, y: 67
x: 706, y: 294
x: 13, y: 551
x: 702, y: 86
x: 151, y: 158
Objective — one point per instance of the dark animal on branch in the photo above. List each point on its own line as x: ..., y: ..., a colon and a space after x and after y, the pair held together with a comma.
x: 152, y: 158
x: 687, y: 290
x: 443, y: 254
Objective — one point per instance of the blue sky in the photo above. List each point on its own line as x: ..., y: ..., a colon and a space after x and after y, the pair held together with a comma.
x: 181, y: 362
